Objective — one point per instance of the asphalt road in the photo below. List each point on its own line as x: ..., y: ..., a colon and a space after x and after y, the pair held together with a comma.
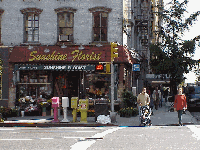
x: 101, y: 138
x: 195, y: 112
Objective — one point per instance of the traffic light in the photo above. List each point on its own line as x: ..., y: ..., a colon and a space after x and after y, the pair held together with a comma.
x: 107, y: 67
x: 114, y: 51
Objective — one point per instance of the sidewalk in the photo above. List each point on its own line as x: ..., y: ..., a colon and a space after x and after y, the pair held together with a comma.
x: 161, y: 117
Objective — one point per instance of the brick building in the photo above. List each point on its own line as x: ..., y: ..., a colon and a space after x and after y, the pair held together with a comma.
x: 51, y: 48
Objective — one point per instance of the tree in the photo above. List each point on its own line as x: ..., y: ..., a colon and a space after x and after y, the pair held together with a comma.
x: 173, y: 55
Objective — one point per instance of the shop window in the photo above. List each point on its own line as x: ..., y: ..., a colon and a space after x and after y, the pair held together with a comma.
x: 100, y: 23
x: 1, y: 12
x: 65, y: 24
x: 97, y: 86
x: 31, y: 25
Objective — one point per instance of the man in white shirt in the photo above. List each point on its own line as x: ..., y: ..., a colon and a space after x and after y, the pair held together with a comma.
x: 143, y: 99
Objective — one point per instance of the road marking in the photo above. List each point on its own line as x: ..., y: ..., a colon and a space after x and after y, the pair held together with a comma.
x: 6, y: 129
x: 46, y: 138
x: 75, y: 137
x: 16, y: 139
x: 86, y: 144
x: 195, y: 130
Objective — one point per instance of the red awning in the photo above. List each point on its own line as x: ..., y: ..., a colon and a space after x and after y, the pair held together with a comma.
x: 69, y: 55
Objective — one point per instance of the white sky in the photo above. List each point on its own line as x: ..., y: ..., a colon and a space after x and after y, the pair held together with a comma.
x: 193, y: 6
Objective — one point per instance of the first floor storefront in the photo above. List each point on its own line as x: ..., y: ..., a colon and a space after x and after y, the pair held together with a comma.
x: 61, y: 83
x: 46, y: 72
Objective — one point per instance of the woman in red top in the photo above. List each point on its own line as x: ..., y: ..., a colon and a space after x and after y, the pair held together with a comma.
x: 180, y: 104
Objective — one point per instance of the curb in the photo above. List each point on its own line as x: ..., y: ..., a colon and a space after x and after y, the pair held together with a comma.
x: 54, y: 125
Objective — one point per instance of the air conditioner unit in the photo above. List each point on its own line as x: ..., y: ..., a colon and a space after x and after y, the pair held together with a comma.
x: 63, y: 37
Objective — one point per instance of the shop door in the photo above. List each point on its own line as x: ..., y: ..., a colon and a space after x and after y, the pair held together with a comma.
x: 67, y: 84
x: 73, y: 83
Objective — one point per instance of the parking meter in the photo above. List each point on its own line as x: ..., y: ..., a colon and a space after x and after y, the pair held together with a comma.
x: 74, y: 102
x: 55, y: 105
x: 83, y: 107
x: 65, y: 104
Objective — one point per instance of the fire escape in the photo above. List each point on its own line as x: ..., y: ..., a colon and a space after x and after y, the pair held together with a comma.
x: 142, y: 18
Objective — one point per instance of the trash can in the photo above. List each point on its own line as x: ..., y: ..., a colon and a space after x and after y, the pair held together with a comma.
x: 101, y: 108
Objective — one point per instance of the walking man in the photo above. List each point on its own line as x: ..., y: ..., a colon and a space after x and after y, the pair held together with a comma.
x: 143, y: 99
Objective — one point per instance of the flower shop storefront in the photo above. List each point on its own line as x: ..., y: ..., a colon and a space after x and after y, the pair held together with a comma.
x: 38, y: 74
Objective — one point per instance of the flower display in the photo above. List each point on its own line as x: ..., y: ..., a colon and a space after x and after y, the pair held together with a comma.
x: 44, y: 104
x: 31, y: 108
x: 128, y: 112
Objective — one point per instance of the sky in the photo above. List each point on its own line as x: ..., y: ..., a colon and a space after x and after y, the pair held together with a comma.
x: 192, y: 6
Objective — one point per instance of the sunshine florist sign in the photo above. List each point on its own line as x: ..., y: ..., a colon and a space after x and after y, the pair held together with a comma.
x: 56, y: 54
x: 75, y: 55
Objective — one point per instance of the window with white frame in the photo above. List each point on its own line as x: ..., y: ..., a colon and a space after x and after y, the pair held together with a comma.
x: 31, y: 25
x: 100, y: 23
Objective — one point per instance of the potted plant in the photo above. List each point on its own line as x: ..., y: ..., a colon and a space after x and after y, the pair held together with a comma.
x: 122, y: 112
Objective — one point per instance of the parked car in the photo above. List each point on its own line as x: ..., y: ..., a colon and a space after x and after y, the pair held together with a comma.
x: 193, y: 96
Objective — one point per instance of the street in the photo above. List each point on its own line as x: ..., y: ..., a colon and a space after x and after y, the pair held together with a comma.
x: 101, y: 138
x: 196, y: 115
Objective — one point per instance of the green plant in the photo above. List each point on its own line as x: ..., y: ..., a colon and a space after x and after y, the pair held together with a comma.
x: 135, y: 112
x: 128, y: 99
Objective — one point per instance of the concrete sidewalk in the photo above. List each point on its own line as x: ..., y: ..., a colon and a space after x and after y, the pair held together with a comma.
x: 161, y: 117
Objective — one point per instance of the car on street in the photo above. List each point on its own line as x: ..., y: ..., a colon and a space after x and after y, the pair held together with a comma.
x: 193, y: 96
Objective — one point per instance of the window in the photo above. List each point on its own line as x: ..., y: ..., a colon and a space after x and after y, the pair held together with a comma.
x: 100, y: 23
x: 31, y: 25
x: 65, y: 24
x: 1, y: 12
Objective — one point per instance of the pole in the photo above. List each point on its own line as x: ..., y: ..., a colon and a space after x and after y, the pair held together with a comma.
x: 112, y: 87
x: 112, y: 113
x: 137, y: 86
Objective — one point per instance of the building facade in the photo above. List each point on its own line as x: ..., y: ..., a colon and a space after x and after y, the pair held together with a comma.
x: 53, y: 47
x: 141, y: 24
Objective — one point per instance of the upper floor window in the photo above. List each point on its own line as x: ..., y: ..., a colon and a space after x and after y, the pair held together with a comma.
x: 100, y: 23
x: 1, y: 12
x: 65, y: 24
x: 31, y: 25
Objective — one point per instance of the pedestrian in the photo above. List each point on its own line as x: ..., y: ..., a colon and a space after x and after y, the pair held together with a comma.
x: 151, y: 104
x: 151, y: 100
x: 143, y: 99
x: 162, y: 93
x: 166, y: 93
x: 180, y: 104
x: 156, y: 97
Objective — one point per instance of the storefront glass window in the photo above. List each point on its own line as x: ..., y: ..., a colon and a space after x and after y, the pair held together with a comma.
x: 97, y: 85
x: 34, y: 84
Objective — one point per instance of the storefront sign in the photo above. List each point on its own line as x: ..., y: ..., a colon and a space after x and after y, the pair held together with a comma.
x: 99, y: 67
x: 75, y: 55
x: 56, y: 67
